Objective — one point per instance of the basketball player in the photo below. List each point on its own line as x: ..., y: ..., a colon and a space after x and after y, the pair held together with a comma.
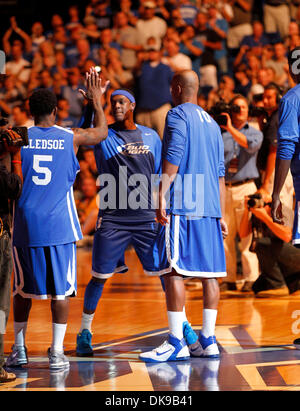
x: 190, y: 240
x: 288, y: 149
x: 46, y: 225
x: 131, y: 158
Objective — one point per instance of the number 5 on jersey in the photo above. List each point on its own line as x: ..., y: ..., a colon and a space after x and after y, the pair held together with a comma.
x: 45, y: 172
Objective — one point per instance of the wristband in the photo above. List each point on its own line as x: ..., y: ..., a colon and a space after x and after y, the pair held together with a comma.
x: 17, y: 161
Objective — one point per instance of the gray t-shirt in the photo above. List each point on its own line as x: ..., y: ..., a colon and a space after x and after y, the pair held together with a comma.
x: 129, y: 35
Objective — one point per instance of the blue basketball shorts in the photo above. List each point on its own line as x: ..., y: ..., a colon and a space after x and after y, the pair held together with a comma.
x: 110, y: 244
x: 45, y: 272
x: 193, y: 247
x: 296, y: 225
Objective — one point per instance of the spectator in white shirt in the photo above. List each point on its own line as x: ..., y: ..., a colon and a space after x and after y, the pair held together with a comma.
x: 176, y: 60
x: 150, y: 25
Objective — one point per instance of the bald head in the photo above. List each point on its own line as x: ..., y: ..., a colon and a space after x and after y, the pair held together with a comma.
x: 185, y: 85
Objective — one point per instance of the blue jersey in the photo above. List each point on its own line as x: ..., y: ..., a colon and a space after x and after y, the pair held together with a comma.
x: 46, y: 214
x: 129, y: 163
x: 193, y: 141
x: 288, y: 147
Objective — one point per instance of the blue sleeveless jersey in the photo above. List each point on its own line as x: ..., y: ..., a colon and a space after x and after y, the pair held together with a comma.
x: 46, y: 214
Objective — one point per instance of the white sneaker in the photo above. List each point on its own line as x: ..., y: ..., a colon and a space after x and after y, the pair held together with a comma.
x: 57, y: 361
x: 207, y: 348
x: 171, y: 350
x: 18, y: 357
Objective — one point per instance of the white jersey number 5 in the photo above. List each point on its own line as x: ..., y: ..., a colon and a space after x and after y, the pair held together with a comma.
x: 47, y: 174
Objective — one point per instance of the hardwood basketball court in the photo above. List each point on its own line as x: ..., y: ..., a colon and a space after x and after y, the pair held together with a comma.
x: 255, y: 338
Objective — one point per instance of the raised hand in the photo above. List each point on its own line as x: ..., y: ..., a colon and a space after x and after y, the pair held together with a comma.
x: 94, y: 85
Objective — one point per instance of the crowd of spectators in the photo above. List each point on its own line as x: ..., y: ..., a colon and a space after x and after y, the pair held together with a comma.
x: 139, y: 48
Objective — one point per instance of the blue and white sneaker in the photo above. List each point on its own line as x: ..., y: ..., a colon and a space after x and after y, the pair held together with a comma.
x: 207, y: 348
x: 18, y: 357
x: 84, y: 344
x: 171, y: 350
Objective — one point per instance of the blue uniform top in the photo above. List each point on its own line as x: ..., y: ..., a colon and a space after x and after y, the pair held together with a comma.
x: 192, y: 140
x: 288, y: 147
x: 46, y: 214
x: 129, y: 164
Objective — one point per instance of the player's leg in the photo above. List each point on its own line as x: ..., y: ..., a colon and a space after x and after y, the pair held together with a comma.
x: 215, y: 266
x: 92, y: 295
x: 21, y: 310
x: 206, y: 259
x: 207, y: 339
x: 147, y: 245
x: 108, y: 256
x: 175, y: 348
x: 62, y: 284
x: 60, y: 312
x: 21, y: 307
x: 177, y: 319
x: 175, y: 300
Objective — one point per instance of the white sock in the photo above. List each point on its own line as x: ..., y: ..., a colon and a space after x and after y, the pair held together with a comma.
x: 209, y: 322
x: 58, y: 336
x: 184, y: 315
x: 176, y: 319
x: 20, y: 331
x: 86, y: 322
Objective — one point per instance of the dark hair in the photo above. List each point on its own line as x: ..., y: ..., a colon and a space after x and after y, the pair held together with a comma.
x: 278, y: 90
x: 42, y: 102
x: 238, y: 96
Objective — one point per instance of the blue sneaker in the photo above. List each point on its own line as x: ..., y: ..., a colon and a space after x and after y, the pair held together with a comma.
x: 18, y: 357
x: 208, y: 347
x: 189, y: 334
x: 171, y: 350
x: 192, y: 340
x: 84, y: 344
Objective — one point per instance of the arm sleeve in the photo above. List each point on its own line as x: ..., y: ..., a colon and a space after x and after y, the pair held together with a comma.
x: 288, y: 130
x: 86, y: 120
x: 254, y: 139
x: 10, y: 184
x: 174, y: 138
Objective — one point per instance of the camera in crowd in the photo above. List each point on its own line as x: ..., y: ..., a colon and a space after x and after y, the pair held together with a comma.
x: 257, y: 111
x: 255, y: 201
x: 254, y: 109
x: 222, y: 107
x: 5, y: 136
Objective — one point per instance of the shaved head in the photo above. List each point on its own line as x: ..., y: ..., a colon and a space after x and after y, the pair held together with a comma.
x: 185, y: 86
